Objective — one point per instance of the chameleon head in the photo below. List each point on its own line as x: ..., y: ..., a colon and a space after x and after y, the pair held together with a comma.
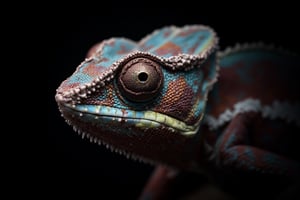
x: 146, y: 99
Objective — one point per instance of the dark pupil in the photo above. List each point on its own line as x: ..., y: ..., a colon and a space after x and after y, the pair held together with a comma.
x: 143, y: 76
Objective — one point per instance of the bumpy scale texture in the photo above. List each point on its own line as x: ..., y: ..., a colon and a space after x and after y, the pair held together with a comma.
x: 172, y: 98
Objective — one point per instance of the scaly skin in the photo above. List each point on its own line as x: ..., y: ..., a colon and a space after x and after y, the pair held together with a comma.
x: 159, y: 100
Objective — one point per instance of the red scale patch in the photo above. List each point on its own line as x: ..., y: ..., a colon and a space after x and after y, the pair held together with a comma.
x: 178, y: 100
x: 169, y: 48
x: 187, y: 32
x: 93, y: 70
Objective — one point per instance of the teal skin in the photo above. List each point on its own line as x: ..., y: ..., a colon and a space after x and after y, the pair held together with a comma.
x: 164, y: 127
x: 91, y: 69
x: 245, y: 129
x: 92, y: 102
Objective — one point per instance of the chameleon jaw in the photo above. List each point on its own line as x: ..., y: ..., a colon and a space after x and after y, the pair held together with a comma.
x: 140, y: 119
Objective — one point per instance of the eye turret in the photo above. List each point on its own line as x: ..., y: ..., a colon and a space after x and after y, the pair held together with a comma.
x: 140, y: 80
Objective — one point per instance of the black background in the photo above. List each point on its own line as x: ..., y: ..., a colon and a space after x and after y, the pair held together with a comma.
x: 74, y: 165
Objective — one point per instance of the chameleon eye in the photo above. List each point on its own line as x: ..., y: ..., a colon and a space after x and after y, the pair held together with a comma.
x: 140, y: 80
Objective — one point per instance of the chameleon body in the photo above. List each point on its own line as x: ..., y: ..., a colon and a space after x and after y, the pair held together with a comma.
x: 173, y: 98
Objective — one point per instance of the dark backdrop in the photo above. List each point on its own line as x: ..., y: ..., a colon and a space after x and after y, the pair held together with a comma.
x: 85, y: 167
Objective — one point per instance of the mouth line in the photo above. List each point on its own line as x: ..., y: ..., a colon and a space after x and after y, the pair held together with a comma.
x: 141, y: 119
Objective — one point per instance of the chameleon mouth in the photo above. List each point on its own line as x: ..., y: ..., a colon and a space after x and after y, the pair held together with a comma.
x: 140, y: 119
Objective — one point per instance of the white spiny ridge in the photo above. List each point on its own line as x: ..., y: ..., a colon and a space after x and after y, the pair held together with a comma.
x: 94, y: 139
x: 281, y: 110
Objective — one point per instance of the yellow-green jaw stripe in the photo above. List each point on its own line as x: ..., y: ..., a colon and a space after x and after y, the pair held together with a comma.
x: 140, y: 119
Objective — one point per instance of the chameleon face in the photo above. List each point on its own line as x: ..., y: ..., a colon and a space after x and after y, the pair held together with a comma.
x: 147, y: 97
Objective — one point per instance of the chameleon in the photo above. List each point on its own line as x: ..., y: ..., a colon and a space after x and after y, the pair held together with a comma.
x: 175, y: 99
